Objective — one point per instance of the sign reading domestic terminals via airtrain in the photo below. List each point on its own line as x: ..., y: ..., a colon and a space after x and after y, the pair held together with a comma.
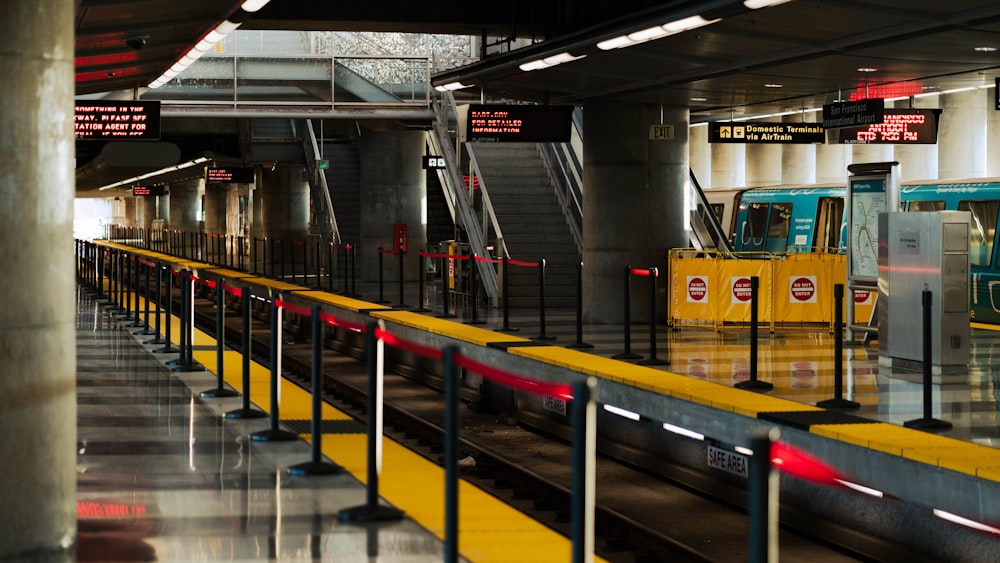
x: 899, y: 127
x: 229, y: 175
x: 126, y: 119
x: 515, y: 123
x: 765, y: 132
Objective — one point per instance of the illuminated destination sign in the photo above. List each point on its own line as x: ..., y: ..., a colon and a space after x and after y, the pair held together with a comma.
x: 853, y: 113
x: 513, y: 123
x: 230, y: 175
x: 899, y: 127
x: 765, y: 132
x: 147, y: 190
x: 104, y: 120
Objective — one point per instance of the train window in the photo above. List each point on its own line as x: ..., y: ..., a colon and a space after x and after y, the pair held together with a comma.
x: 778, y: 227
x: 719, y: 209
x: 925, y: 206
x: 829, y: 216
x: 755, y: 227
x: 981, y: 230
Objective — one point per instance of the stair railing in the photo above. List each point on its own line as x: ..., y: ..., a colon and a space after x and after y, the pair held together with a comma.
x: 476, y: 173
x: 459, y: 202
x: 317, y: 183
x: 564, y: 175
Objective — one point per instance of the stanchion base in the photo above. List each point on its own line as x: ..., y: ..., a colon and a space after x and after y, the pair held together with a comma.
x: 475, y: 322
x: 928, y: 424
x: 580, y: 346
x: 402, y: 307
x: 545, y: 337
x: 507, y: 329
x: 315, y: 468
x: 365, y: 513
x: 245, y: 413
x: 147, y: 332
x: 379, y: 302
x: 188, y: 368
x: 654, y: 362
x: 166, y: 350
x: 626, y: 356
x: 420, y: 310
x: 155, y: 341
x: 219, y: 393
x: 270, y: 435
x: 446, y: 316
x: 754, y: 385
x: 838, y: 404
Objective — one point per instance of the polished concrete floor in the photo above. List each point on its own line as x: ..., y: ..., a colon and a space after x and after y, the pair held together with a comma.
x: 163, y: 476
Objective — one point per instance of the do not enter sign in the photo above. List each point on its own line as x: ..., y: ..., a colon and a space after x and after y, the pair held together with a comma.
x: 741, y: 289
x: 697, y: 288
x: 802, y: 289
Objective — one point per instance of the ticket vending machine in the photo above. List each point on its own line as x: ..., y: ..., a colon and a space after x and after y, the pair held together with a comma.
x: 924, y: 251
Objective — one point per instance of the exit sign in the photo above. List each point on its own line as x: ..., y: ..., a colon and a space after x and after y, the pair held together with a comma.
x: 661, y: 132
x: 434, y: 162
x: 323, y: 164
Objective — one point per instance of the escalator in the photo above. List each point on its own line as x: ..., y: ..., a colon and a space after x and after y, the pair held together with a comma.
x: 706, y: 231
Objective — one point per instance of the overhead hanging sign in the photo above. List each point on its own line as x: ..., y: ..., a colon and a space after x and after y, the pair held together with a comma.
x: 229, y: 175
x: 122, y: 119
x: 515, y: 123
x: 899, y: 127
x: 147, y: 190
x: 765, y: 132
x: 851, y: 114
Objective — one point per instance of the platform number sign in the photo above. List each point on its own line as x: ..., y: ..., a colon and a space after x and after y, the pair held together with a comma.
x: 434, y: 162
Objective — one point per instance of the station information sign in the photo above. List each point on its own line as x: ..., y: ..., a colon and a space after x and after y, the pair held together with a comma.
x: 120, y: 119
x: 765, y: 132
x: 853, y: 113
x: 516, y: 123
x: 230, y: 175
x: 431, y: 162
x: 147, y: 190
x: 899, y: 127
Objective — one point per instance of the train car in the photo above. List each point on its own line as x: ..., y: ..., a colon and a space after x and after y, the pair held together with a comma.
x: 811, y: 218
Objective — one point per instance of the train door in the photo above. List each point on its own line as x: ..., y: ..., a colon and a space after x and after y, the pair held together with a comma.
x: 766, y: 227
x: 829, y: 216
x: 985, y: 289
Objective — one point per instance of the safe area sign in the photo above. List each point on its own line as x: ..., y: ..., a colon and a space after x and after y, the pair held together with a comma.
x: 765, y: 132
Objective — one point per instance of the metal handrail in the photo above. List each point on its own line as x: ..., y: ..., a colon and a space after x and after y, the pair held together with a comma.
x: 487, y: 203
x: 566, y: 183
x: 459, y: 202
x: 330, y: 229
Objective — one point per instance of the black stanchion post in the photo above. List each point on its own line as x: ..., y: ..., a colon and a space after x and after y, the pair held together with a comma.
x: 421, y: 274
x: 186, y: 360
x: 579, y: 344
x: 354, y: 272
x: 220, y: 390
x: 927, y: 422
x: 652, y: 360
x: 759, y: 502
x: 346, y: 267
x: 168, y: 347
x: 329, y: 268
x: 402, y: 302
x: 182, y: 316
x: 541, y: 304
x: 245, y: 411
x: 505, y: 283
x: 753, y: 383
x: 284, y: 257
x: 628, y: 354
x: 451, y: 428
x: 372, y: 511
x: 474, y: 291
x: 381, y: 293
x: 148, y: 331
x: 275, y: 434
x: 316, y: 465
x: 445, y: 309
x: 838, y: 401
x: 159, y: 305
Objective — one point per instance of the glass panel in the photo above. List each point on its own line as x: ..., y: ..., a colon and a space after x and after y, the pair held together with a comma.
x: 981, y: 230
x: 754, y: 228
x: 380, y: 44
x: 282, y: 42
x: 210, y: 78
x: 778, y: 227
x: 926, y: 206
x: 289, y: 79
x: 380, y: 80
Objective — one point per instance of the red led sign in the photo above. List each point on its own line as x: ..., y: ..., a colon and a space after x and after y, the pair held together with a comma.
x: 519, y: 123
x: 147, y: 190
x: 128, y: 119
x: 899, y: 127
x: 230, y: 175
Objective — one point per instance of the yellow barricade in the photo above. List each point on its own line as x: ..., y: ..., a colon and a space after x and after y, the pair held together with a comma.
x: 708, y: 287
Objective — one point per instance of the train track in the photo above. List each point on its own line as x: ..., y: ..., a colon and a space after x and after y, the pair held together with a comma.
x: 647, y: 510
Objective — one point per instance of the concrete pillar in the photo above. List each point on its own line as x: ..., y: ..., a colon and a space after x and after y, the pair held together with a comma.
x: 283, y: 203
x: 798, y: 162
x: 634, y: 196
x: 917, y: 162
x: 992, y: 143
x: 145, y: 211
x: 184, y: 203
x: 763, y: 164
x: 728, y: 165
x: 701, y: 155
x: 37, y: 335
x: 831, y: 163
x: 871, y: 153
x: 962, y: 135
x: 394, y: 186
x: 131, y: 216
x: 215, y: 208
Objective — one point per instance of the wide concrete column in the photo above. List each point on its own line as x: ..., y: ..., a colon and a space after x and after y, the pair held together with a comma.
x: 992, y: 143
x: 917, y: 162
x: 37, y: 319
x: 215, y: 208
x: 393, y: 191
x: 871, y: 153
x: 634, y: 197
x: 763, y: 163
x: 831, y: 163
x: 145, y: 211
x: 701, y: 155
x: 282, y: 200
x: 131, y: 212
x: 183, y: 204
x: 728, y: 165
x: 798, y: 162
x: 962, y: 134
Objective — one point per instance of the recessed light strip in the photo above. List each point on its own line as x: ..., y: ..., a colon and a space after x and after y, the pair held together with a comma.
x: 656, y: 32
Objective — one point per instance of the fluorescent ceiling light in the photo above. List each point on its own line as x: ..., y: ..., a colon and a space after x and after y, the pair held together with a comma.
x: 614, y: 43
x: 757, y: 4
x: 253, y: 5
x: 180, y: 166
x: 647, y: 34
x: 451, y: 86
x: 547, y: 62
x: 692, y: 22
